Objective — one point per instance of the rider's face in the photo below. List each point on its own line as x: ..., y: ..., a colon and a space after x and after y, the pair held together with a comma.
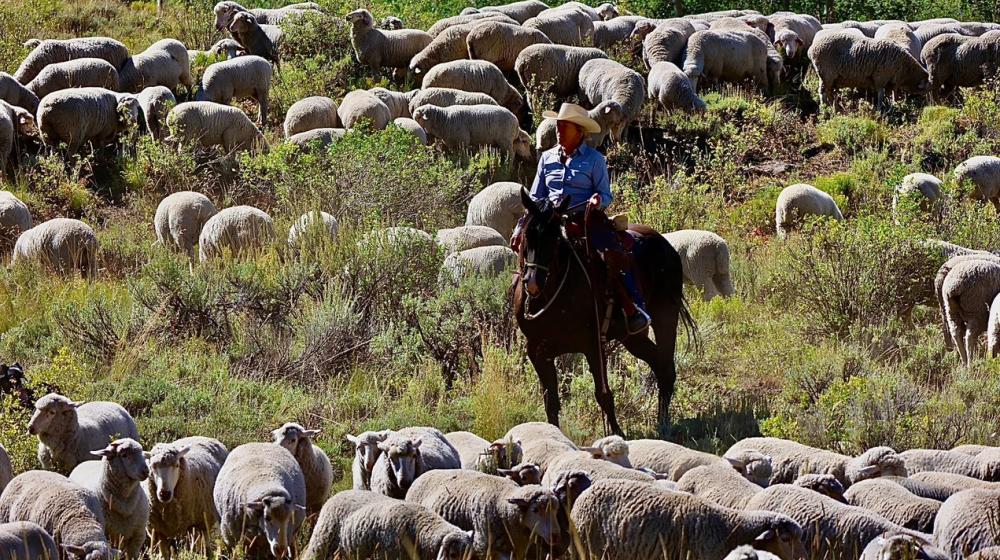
x: 569, y: 135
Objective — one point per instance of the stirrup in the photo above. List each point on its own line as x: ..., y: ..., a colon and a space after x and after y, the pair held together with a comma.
x: 637, y: 322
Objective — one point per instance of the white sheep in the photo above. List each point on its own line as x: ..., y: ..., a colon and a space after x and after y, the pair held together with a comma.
x: 985, y: 466
x: 164, y: 63
x: 256, y: 38
x: 463, y: 127
x: 224, y: 12
x: 85, y: 115
x: 793, y: 35
x: 748, y: 552
x: 963, y: 525
x: 310, y: 113
x: 180, y: 217
x: 893, y: 547
x: 895, y: 503
x: 674, y: 460
x: 521, y: 11
x: 406, y: 455
x: 983, y: 173
x: 704, y: 261
x: 446, y: 97
x: 726, y: 55
x: 156, y: 103
x: 968, y: 290
x: 497, y: 206
x: 311, y: 223
x: 6, y: 469
x: 315, y: 464
x: 923, y: 185
x: 260, y: 495
x: 668, y: 85
x: 790, y: 459
x: 718, y: 483
x: 902, y: 35
x: 613, y: 449
x: 608, y: 114
x: 181, y: 478
x: 523, y: 474
x: 443, y: 24
x: 244, y: 77
x: 606, y: 80
x: 553, y: 68
x: 319, y: 137
x: 24, y: 540
x: 540, y: 442
x: 798, y: 200
x: 80, y: 72
x: 467, y: 237
x: 209, y: 124
x: 489, y: 261
x: 570, y: 26
x: 475, y: 75
x: 447, y: 46
x: 366, y: 455
x: 614, y: 31
x: 61, y: 244
x: 955, y: 254
x: 397, y: 529
x: 52, y: 51
x: 398, y: 102
x: 954, y: 60
x: 665, y: 42
x: 116, y: 480
x: 471, y: 448
x: 500, y: 43
x: 15, y: 93
x: 411, y: 126
x: 379, y: 48
x: 237, y: 229
x: 325, y: 539
x: 15, y: 218
x: 69, y: 512
x: 15, y: 122
x: 360, y: 105
x: 595, y: 469
x: 942, y: 485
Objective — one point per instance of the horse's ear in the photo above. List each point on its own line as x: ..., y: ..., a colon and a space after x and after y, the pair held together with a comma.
x: 527, y: 202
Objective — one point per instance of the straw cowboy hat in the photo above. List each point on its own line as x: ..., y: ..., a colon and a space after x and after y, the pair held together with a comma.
x: 575, y: 114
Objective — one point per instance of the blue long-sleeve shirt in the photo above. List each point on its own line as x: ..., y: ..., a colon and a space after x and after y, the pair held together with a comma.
x: 583, y: 174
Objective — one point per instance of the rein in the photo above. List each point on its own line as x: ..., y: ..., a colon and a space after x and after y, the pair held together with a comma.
x: 562, y: 283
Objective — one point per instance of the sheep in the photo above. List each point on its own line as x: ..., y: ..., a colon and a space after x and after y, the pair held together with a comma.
x: 321, y: 137
x: 6, y: 469
x: 68, y: 432
x: 16, y: 94
x: 520, y: 11
x: 471, y: 448
x: 674, y: 460
x: 254, y: 38
x: 81, y: 115
x: 497, y: 206
x: 155, y: 103
x: 15, y: 218
x: 15, y: 122
x: 790, y: 459
x: 668, y: 85
x: 923, y: 185
x: 902, y: 35
x: 391, y: 22
x: 627, y: 519
x: 523, y: 474
x: 181, y: 479
x: 116, y: 480
x: 164, y: 63
x: 982, y: 467
x: 397, y: 529
x: 310, y: 113
x: 704, y: 261
x: 665, y: 42
x: 798, y: 200
x: 239, y: 78
x: 563, y: 26
x: 983, y: 173
x: 224, y: 12
x: 954, y: 257
x: 468, y: 237
x: 867, y: 28
x: 260, y: 494
x: 24, y: 540
x: 447, y: 46
x: 595, y: 469
x: 443, y: 24
x: 377, y: 48
x: 842, y: 61
x: 361, y: 105
x: 316, y: 467
x: 61, y: 244
x: 742, y: 23
x: 895, y: 503
x: 988, y: 553
x: 325, y: 539
x: 398, y: 102
x: 605, y: 11
x: 793, y: 35
x: 180, y: 218
x: 475, y: 76
x: 901, y: 547
x: 608, y: 114
x: 553, y: 68
x: 500, y: 43
x: 411, y: 126
x: 825, y: 484
x: 237, y: 230
x: 718, y: 483
x: 968, y: 290
x: 540, y: 442
x: 52, y: 51
x: 941, y: 485
x: 79, y: 72
x: 840, y: 529
x: 366, y: 455
x: 729, y: 56
x: 964, y: 523
x: 481, y: 455
x: 747, y: 552
x: 606, y: 80
x: 225, y: 49
x: 615, y: 31
x: 462, y: 127
x: 978, y: 29
x: 406, y: 455
x: 488, y: 261
x: 972, y: 448
x: 210, y: 124
x: 69, y: 512
x: 312, y: 223
x: 504, y: 518
x: 926, y: 33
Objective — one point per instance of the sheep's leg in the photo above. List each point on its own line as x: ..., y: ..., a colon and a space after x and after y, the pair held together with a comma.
x: 709, y: 289
x: 262, y: 101
x: 974, y: 329
x: 660, y: 358
x: 957, y: 326
x: 725, y: 285
x: 548, y: 377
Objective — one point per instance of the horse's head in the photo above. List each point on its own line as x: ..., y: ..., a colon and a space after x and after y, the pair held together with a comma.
x: 541, y: 240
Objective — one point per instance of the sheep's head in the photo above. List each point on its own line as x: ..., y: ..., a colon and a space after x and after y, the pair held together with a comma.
x: 783, y: 538
x: 94, y: 550
x: 391, y: 22
x: 291, y: 436
x: 505, y: 452
x: 227, y: 47
x: 522, y: 145
x: 11, y: 379
x: 224, y: 12
x: 275, y: 516
x: 366, y: 447
x: 611, y: 116
x: 989, y: 461
x: 642, y: 28
x: 613, y: 449
x: 607, y: 11
x: 569, y: 485
x: 523, y: 474
x: 825, y: 484
x: 788, y: 43
x: 360, y: 18
x: 32, y: 43
x: 537, y: 508
x: 129, y: 110
x: 425, y: 113
x: 753, y: 466
x: 25, y: 122
x: 469, y: 11
x: 403, y: 455
x: 124, y: 457
x: 899, y: 546
x: 242, y: 23
x: 165, y: 464
x: 53, y: 414
x: 456, y: 545
x: 876, y: 462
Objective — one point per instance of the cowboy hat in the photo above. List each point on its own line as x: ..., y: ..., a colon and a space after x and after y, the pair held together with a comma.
x: 575, y: 114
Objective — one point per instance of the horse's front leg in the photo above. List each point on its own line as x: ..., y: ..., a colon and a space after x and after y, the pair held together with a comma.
x: 545, y: 367
x: 602, y: 392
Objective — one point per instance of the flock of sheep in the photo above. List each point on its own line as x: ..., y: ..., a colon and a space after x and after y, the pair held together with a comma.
x: 419, y: 493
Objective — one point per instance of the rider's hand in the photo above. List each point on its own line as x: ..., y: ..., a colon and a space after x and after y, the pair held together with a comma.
x: 595, y: 201
x: 514, y: 244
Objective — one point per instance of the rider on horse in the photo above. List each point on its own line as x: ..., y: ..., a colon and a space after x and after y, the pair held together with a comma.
x: 575, y: 170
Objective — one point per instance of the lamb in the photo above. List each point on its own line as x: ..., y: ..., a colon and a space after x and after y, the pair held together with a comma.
x: 729, y: 56
x: 462, y: 127
x: 968, y: 290
x: 963, y: 523
x: 181, y: 478
x: 843, y: 61
x: 442, y: 24
x: 61, y: 244
x: 395, y: 529
x: 475, y: 75
x: 224, y: 12
x: 982, y: 467
x: 68, y: 432
x: 674, y: 460
x: 406, y: 455
x: 925, y: 186
x: 704, y: 260
x: 313, y: 223
x: 568, y: 26
x: 488, y: 261
x: 794, y: 34
x: 669, y: 85
x: 666, y: 42
x: 81, y: 115
x: 619, y: 519
x: 718, y: 483
x: 615, y: 31
x: 325, y: 539
x: 553, y: 68
x: 411, y: 126
x: 16, y: 94
x: 156, y: 102
x: 895, y: 503
x: 790, y: 460
x: 321, y: 137
x: 80, y: 72
x: 840, y: 529
x: 315, y: 464
x: 609, y: 114
x: 447, y: 46
x: 797, y: 201
x: 237, y: 230
x: 366, y: 455
x: 504, y: 518
x: 520, y: 11
x: 70, y: 513
x: 52, y: 51
x: 164, y: 63
x: 239, y: 78
x: 260, y: 495
x: 255, y: 39
x: 24, y: 540
x: 500, y: 43
x: 497, y: 206
x: 398, y: 102
x: 902, y: 35
x: 595, y: 469
x: 210, y: 124
x: 468, y: 237
x: 523, y: 474
x: 180, y: 218
x: 892, y: 547
x: 116, y: 480
x: 983, y: 172
x: 377, y: 48
x: 540, y: 442
x: 361, y: 105
x: 15, y: 218
x: 606, y: 80
x: 6, y: 469
x: 310, y: 113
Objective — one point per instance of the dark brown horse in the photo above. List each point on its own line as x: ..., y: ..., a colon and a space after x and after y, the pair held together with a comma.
x: 560, y: 305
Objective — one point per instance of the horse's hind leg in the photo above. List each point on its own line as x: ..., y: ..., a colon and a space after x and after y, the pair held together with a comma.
x: 602, y: 392
x: 549, y: 379
x: 662, y: 365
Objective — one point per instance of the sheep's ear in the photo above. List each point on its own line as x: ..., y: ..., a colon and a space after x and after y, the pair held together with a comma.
x: 383, y: 446
x: 595, y: 452
x: 506, y: 472
x: 416, y: 442
x: 520, y: 503
x: 77, y: 404
x: 384, y: 434
x: 300, y: 508
x: 255, y: 507
x: 353, y: 439
x: 736, y: 463
x: 313, y: 433
x: 766, y: 536
x: 870, y: 470
x: 108, y: 451
x: 799, y: 41
x: 75, y: 550
x: 183, y: 451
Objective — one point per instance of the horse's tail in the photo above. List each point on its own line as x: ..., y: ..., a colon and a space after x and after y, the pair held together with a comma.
x: 690, y: 326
